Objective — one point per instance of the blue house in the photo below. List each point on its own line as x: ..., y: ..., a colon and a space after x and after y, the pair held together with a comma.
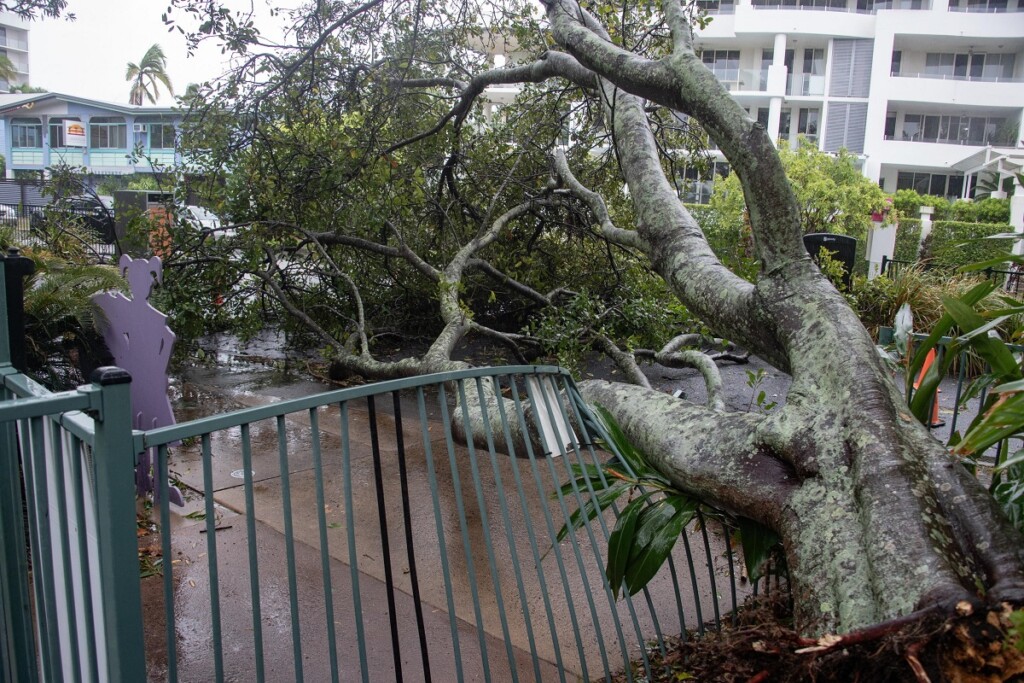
x: 40, y: 130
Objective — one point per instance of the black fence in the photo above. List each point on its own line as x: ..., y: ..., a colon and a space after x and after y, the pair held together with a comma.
x: 28, y: 225
x: 1010, y: 281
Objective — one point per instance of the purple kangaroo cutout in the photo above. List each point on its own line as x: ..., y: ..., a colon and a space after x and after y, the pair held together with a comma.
x: 140, y: 342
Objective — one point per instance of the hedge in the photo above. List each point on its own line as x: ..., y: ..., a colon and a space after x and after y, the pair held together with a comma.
x: 954, y: 243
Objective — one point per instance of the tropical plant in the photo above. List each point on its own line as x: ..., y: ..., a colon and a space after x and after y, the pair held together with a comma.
x: 655, y: 513
x: 1001, y: 388
x: 146, y: 75
x: 8, y: 72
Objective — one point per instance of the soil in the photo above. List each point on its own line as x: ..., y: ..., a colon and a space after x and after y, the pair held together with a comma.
x: 980, y: 646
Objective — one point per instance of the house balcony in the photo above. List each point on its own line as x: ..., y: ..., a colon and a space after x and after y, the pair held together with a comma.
x: 968, y: 91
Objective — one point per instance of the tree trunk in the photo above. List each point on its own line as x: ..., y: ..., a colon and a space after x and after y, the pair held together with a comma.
x: 876, y: 517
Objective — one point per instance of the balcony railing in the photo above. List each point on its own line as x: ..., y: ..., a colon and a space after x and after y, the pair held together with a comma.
x: 955, y: 77
x: 854, y: 9
x: 917, y: 137
x: 743, y: 79
x: 805, y: 84
x: 986, y: 10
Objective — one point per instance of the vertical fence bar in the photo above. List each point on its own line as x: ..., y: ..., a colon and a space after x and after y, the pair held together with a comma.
x: 19, y: 654
x: 88, y: 618
x: 499, y: 488
x: 114, y: 462
x: 382, y: 518
x: 211, y: 559
x: 59, y: 460
x: 17, y: 645
x: 34, y: 467
x: 428, y: 456
x: 289, y: 539
x: 552, y: 533
x: 403, y: 477
x: 532, y: 536
x: 485, y: 526
x: 350, y: 531
x: 325, y: 557
x: 254, y: 567
x: 164, y: 502
x: 464, y: 529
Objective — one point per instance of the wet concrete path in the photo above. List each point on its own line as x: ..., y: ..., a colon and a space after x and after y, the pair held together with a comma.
x: 206, y: 392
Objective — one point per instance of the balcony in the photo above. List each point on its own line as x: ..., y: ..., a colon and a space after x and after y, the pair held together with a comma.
x: 743, y: 80
x: 805, y: 85
x: 960, y: 77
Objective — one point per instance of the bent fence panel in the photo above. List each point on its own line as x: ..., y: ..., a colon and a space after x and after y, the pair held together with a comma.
x: 353, y: 536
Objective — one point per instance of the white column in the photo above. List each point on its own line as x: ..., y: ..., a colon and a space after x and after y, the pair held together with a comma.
x: 881, y: 242
x: 926, y: 225
x: 1017, y: 213
x: 776, y: 85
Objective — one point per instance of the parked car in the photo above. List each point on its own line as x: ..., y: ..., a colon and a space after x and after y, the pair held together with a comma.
x: 96, y: 212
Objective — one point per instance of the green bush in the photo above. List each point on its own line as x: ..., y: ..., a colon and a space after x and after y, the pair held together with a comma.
x: 877, y: 301
x: 953, y: 244
x: 909, y: 203
x: 908, y: 239
x: 982, y: 211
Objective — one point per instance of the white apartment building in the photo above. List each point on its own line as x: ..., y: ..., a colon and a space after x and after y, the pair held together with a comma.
x: 928, y: 93
x: 14, y: 46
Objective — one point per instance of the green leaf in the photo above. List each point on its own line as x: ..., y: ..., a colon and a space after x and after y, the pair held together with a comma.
x: 621, y: 541
x: 662, y: 540
x: 758, y: 541
x: 994, y: 351
x: 622, y: 446
x: 1004, y: 418
x: 592, y: 508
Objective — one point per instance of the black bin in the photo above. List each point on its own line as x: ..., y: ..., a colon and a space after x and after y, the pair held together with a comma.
x: 843, y: 248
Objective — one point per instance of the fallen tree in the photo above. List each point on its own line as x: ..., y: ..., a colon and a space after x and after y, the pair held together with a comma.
x: 878, y: 520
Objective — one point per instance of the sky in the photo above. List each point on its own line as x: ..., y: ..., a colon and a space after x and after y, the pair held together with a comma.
x: 88, y: 57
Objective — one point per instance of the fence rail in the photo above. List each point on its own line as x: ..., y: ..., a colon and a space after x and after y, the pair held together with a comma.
x: 1009, y: 281
x: 404, y: 530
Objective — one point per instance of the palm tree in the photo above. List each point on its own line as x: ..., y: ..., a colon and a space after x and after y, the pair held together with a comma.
x: 145, y: 75
x: 8, y: 72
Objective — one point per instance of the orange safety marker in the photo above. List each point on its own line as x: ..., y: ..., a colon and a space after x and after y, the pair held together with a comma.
x: 928, y: 360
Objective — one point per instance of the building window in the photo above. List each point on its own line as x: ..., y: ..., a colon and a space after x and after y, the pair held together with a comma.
x: 969, y: 66
x: 977, y: 5
x: 161, y: 136
x: 57, y: 132
x: 26, y: 133
x: 697, y: 186
x: 897, y: 63
x: 784, y: 118
x: 959, y: 130
x: 108, y: 132
x: 725, y: 64
x: 717, y: 6
x: 807, y: 123
x: 935, y: 184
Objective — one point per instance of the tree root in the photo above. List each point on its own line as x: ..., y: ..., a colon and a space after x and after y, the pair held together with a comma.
x: 930, y: 645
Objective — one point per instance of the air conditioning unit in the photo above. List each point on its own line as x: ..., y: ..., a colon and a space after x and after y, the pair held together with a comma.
x: 139, y: 127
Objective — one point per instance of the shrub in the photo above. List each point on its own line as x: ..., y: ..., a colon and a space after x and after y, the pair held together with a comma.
x: 954, y: 244
x: 908, y: 239
x: 908, y: 203
x: 982, y: 211
x: 878, y: 300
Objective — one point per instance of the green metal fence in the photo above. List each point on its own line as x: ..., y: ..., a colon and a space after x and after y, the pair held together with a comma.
x: 352, y: 535
x: 433, y: 559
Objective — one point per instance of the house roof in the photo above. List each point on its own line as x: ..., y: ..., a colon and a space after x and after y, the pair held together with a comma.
x: 10, y: 102
x: 999, y: 160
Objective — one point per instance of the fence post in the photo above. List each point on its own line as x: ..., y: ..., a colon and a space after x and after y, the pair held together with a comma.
x: 885, y: 264
x: 114, y: 466
x: 17, y: 268
x: 17, y: 641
